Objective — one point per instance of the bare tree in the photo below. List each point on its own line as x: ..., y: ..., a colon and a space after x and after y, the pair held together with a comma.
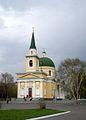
x: 6, y: 79
x: 71, y: 73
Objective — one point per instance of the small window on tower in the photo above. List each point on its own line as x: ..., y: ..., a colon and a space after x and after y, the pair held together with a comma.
x: 49, y: 72
x: 31, y: 63
x: 31, y: 52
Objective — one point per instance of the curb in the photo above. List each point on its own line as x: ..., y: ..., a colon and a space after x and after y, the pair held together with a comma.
x: 48, y: 116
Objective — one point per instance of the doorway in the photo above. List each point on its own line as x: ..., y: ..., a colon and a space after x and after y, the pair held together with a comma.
x: 30, y: 92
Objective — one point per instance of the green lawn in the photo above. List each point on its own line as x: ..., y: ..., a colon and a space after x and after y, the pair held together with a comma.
x: 25, y: 114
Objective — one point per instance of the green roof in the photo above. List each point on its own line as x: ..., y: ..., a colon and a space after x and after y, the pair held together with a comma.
x: 32, y: 46
x: 45, y: 61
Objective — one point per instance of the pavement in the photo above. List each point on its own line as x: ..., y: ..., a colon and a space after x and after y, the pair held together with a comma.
x: 78, y: 111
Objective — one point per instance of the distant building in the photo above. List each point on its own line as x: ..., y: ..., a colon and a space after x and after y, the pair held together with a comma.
x: 39, y: 79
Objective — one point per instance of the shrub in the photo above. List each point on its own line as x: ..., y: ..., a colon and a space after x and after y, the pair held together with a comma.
x: 42, y: 105
x: 69, y: 97
x: 0, y: 105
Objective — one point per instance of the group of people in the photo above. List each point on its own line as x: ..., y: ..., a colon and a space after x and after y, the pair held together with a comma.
x: 30, y: 97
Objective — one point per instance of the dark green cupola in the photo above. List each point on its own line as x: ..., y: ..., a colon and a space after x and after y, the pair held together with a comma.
x: 45, y: 61
x: 33, y: 46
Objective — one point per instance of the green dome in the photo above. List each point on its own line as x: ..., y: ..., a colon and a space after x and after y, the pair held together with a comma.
x: 45, y: 61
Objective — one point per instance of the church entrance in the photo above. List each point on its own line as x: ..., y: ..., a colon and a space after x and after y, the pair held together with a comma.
x: 30, y: 92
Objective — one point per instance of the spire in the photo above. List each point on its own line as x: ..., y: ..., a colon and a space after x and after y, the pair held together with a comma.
x: 32, y: 46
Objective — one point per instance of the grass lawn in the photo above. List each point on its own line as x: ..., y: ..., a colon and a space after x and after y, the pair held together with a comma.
x: 25, y: 114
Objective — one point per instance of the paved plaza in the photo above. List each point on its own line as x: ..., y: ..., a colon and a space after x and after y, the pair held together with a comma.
x: 78, y: 112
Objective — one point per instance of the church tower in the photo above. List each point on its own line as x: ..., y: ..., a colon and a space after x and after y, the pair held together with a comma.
x: 32, y: 59
x: 39, y: 79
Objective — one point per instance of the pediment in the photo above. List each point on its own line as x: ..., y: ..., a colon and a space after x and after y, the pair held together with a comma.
x: 29, y: 75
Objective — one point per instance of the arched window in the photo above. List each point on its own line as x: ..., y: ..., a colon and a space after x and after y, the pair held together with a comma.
x: 31, y: 63
x: 49, y: 72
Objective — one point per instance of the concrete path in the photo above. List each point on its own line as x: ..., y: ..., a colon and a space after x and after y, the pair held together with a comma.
x: 19, y: 106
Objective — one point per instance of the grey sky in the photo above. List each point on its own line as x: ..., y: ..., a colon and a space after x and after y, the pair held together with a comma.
x: 60, y: 28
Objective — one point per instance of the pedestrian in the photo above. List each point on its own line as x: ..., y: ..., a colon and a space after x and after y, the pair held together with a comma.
x: 24, y: 98
x: 30, y: 98
x: 7, y: 100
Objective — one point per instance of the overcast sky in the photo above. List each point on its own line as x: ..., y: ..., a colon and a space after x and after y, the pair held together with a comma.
x: 60, y: 28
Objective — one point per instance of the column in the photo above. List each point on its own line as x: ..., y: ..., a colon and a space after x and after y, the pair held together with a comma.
x: 33, y: 89
x: 41, y: 89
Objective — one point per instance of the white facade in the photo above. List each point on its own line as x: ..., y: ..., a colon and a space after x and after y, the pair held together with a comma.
x: 35, y: 87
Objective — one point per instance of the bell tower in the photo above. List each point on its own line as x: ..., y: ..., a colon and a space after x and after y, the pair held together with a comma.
x: 32, y: 59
